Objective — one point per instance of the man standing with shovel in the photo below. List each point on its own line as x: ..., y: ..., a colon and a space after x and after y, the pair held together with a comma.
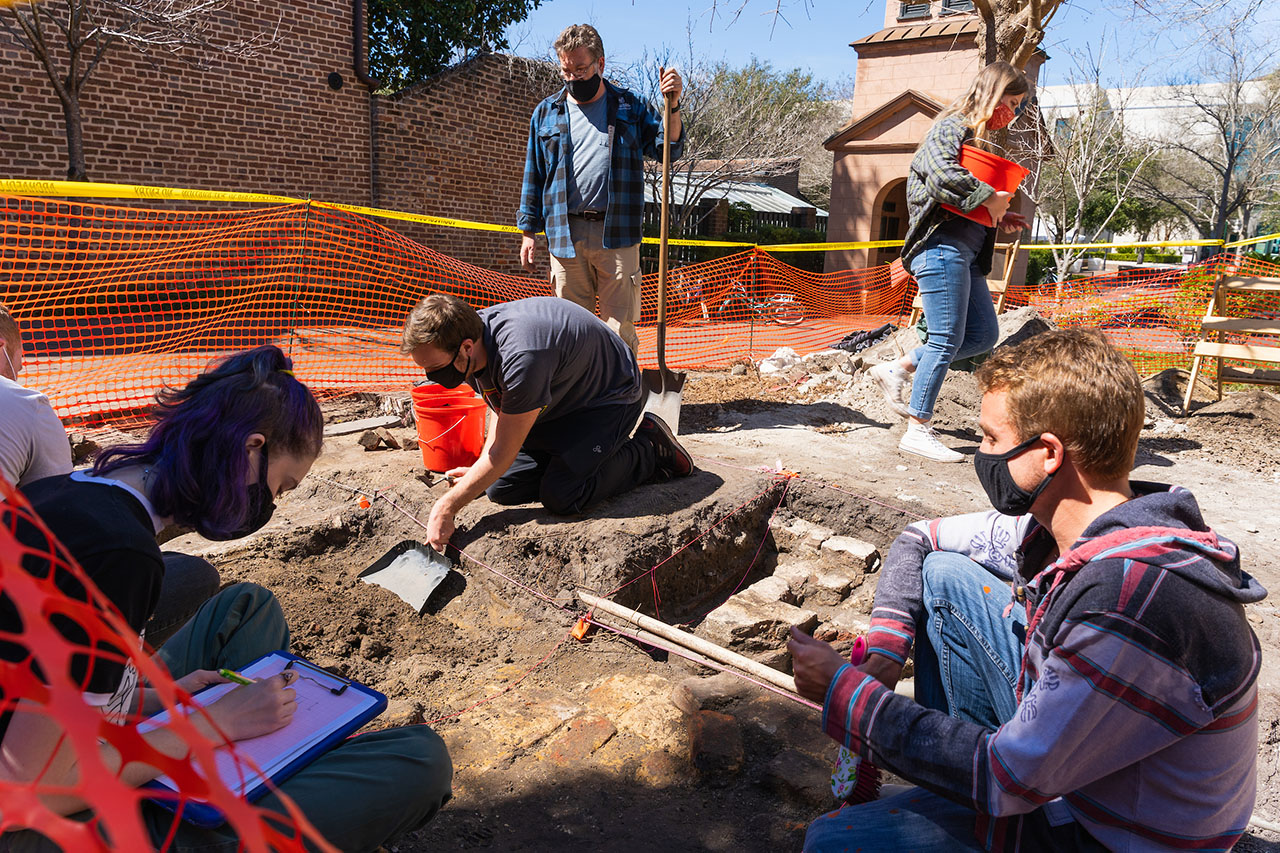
x: 584, y: 180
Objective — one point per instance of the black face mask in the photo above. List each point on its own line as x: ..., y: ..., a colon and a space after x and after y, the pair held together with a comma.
x: 1006, y: 495
x: 450, y: 376
x: 262, y: 505
x: 584, y: 90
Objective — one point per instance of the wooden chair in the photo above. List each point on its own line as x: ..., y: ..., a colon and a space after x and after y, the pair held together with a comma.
x: 1217, y: 322
x: 997, y: 285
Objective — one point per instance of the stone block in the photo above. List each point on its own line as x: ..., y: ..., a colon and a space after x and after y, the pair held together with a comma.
x: 800, y: 778
x: 796, y: 575
x: 830, y: 360
x: 845, y: 552
x: 713, y: 692
x: 580, y: 738
x: 715, y: 744
x: 772, y: 588
x: 660, y: 769
x: 827, y: 589
x: 747, y: 625
x: 796, y: 534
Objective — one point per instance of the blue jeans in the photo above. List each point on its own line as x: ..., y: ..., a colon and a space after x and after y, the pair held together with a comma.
x: 967, y: 660
x: 957, y: 308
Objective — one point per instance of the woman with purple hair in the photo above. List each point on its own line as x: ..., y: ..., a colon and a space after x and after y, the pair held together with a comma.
x: 218, y: 454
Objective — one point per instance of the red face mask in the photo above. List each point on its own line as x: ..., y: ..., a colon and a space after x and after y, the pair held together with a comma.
x: 1000, y: 117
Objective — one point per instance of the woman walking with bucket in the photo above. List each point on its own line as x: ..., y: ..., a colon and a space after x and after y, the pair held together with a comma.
x: 949, y: 253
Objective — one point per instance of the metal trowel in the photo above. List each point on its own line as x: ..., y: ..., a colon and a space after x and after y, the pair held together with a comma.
x: 411, y: 570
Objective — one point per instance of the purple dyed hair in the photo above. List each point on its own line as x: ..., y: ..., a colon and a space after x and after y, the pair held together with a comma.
x: 196, y: 445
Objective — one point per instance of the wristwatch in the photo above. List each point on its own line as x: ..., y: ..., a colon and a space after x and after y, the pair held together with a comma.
x: 676, y: 108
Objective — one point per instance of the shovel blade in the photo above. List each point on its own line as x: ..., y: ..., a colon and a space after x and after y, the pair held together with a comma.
x: 664, y: 388
x: 410, y: 570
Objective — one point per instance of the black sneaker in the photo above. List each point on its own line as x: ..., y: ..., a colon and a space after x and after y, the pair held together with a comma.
x: 673, y: 460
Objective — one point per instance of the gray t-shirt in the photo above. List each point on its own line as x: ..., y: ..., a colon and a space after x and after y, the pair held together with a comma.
x: 548, y: 353
x: 33, y: 443
x: 588, y: 160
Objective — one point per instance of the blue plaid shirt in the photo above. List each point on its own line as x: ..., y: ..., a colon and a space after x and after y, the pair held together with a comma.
x: 635, y: 132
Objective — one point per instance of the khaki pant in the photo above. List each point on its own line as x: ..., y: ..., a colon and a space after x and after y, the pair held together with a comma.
x: 611, y: 276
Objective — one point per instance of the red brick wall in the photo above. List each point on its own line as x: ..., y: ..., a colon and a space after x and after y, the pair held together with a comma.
x: 452, y: 146
x: 264, y: 124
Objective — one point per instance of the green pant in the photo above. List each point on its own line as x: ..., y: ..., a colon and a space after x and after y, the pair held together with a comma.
x: 362, y: 794
x: 367, y: 792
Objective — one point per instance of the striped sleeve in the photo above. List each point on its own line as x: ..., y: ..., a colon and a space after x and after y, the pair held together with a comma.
x: 898, y: 604
x: 988, y: 538
x: 1093, y: 711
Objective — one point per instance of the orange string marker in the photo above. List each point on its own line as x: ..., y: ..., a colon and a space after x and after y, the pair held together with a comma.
x: 364, y: 502
x: 580, y: 630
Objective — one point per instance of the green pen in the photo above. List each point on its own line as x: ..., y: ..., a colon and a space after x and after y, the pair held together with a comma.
x: 232, y: 675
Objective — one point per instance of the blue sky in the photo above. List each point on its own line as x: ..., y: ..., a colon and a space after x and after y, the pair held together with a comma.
x: 816, y: 34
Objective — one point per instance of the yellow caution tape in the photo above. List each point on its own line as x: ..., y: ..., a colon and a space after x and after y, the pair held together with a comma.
x: 418, y: 217
x: 680, y: 241
x: 1149, y: 245
x: 829, y: 247
x: 82, y: 189
x: 1264, y: 238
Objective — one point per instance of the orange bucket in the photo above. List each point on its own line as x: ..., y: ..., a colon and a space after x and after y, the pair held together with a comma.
x: 1000, y: 174
x: 429, y: 394
x: 450, y: 431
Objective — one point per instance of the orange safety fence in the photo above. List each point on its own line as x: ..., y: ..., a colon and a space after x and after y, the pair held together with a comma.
x: 1153, y: 315
x: 56, y: 623
x: 117, y: 301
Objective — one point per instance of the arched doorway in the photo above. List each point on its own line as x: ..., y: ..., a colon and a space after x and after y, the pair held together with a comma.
x: 889, y: 219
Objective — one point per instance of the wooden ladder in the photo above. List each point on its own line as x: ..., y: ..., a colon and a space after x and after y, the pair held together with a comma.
x: 1215, y: 325
x: 997, y: 286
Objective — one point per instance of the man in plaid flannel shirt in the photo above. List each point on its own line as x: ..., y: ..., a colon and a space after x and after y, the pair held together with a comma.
x: 584, y: 181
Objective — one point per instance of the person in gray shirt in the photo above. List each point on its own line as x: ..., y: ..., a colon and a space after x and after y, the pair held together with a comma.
x: 567, y: 395
x: 33, y: 444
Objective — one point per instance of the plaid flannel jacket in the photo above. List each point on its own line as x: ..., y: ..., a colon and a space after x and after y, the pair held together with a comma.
x: 635, y: 132
x: 936, y: 178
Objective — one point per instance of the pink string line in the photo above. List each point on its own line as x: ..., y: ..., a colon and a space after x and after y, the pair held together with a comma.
x: 759, y: 548
x: 380, y: 495
x: 651, y: 573
x: 804, y: 479
x: 686, y: 545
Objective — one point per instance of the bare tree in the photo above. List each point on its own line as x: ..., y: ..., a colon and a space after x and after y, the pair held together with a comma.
x: 71, y: 38
x: 1090, y: 163
x: 741, y: 124
x: 1223, y: 157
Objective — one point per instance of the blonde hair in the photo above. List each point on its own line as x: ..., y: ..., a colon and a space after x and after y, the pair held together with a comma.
x: 579, y: 35
x: 992, y: 83
x: 1074, y: 384
x: 441, y: 320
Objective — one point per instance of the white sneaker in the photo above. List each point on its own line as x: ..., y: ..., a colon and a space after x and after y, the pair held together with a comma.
x: 921, y: 440
x: 893, y: 381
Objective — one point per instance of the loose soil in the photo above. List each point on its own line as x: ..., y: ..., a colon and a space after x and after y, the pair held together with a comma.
x: 562, y: 744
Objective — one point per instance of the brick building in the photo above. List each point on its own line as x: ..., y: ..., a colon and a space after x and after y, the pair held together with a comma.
x: 302, y: 119
x: 924, y: 58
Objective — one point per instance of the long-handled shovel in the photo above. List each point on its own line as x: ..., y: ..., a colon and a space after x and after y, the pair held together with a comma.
x: 663, y: 385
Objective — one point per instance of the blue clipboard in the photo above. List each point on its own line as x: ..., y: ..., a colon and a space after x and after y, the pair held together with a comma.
x: 330, y: 708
